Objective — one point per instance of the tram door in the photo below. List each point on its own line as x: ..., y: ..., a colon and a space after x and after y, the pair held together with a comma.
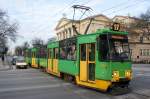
x: 87, y: 62
x: 55, y: 60
x: 50, y: 65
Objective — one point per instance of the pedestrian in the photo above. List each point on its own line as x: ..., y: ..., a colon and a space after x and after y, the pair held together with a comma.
x: 3, y: 58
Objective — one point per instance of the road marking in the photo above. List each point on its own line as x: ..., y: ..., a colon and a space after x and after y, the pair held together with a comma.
x: 141, y: 74
x: 80, y: 91
x: 34, y: 87
x: 20, y: 70
x: 27, y: 78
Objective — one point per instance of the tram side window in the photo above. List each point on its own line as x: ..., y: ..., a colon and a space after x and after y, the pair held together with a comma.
x: 83, y: 52
x: 63, y: 53
x: 49, y: 53
x: 68, y: 49
x: 91, y: 52
x: 42, y: 53
x: 103, y: 48
x: 71, y: 52
x: 55, y: 53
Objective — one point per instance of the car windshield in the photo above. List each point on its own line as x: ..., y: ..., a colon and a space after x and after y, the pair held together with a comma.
x: 20, y: 59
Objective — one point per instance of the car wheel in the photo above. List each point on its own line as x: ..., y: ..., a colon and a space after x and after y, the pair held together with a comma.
x: 25, y: 67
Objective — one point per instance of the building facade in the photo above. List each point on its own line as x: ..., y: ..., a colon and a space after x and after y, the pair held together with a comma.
x: 65, y: 30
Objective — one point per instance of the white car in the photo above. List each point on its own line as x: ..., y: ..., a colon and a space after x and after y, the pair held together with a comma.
x: 20, y: 63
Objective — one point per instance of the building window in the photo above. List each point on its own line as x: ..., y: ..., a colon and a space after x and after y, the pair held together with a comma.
x: 131, y: 51
x: 145, y: 52
x: 141, y: 52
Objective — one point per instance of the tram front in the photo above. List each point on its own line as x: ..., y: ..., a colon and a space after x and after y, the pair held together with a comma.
x: 114, y: 54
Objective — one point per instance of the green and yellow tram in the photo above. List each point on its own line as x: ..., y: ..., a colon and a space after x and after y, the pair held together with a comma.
x: 42, y: 57
x: 28, y: 57
x: 103, y: 60
x: 53, y: 61
x: 98, y: 60
x: 34, y: 59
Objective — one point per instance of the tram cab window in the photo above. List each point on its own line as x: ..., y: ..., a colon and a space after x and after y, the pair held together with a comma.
x: 113, y: 47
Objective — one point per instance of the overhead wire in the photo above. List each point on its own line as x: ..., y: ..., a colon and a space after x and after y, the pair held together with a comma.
x: 61, y: 11
x: 128, y: 6
x: 116, y: 6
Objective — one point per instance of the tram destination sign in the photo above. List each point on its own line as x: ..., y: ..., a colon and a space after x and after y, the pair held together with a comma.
x: 119, y: 37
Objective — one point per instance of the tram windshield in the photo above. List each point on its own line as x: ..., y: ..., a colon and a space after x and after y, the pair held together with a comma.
x: 114, y: 47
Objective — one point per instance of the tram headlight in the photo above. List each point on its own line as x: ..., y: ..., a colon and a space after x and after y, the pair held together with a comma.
x: 128, y: 74
x: 115, y: 76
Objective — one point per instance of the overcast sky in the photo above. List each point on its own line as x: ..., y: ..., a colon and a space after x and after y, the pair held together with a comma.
x: 38, y: 18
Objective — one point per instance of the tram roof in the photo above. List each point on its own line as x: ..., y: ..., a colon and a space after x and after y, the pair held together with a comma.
x: 52, y: 44
x: 109, y: 31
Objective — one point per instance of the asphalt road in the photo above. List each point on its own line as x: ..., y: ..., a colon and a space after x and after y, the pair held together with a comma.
x: 35, y: 84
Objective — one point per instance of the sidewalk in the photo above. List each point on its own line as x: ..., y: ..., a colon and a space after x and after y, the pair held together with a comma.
x: 4, y: 66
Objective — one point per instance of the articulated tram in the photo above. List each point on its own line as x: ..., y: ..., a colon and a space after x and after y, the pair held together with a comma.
x: 99, y: 60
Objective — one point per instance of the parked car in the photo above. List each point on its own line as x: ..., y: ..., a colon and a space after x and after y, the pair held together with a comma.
x: 13, y: 61
x: 20, y: 63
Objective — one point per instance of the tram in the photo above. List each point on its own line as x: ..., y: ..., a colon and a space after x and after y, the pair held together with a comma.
x: 99, y: 60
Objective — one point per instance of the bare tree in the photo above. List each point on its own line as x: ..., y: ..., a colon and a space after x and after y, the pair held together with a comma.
x: 18, y: 51
x: 37, y: 42
x: 142, y: 25
x: 8, y: 30
x: 24, y: 47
